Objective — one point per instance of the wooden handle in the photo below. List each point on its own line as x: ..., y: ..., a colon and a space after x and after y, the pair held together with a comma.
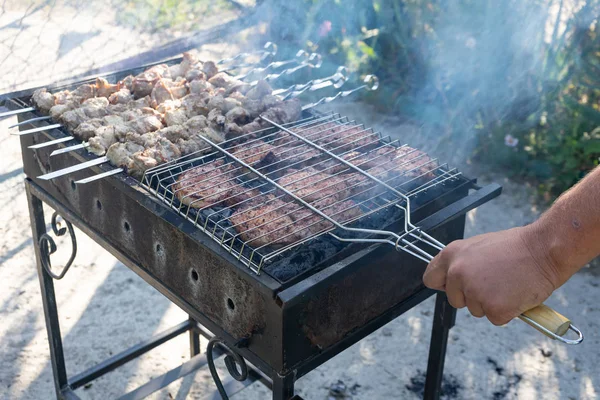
x: 549, y: 319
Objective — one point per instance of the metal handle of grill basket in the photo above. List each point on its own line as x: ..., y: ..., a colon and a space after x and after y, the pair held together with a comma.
x: 543, y: 318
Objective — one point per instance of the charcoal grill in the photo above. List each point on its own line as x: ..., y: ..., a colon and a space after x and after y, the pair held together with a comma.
x: 277, y: 313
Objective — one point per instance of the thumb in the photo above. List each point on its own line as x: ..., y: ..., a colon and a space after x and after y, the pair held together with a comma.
x: 435, y: 274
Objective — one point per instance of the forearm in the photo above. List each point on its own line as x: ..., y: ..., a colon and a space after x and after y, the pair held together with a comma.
x: 568, y: 234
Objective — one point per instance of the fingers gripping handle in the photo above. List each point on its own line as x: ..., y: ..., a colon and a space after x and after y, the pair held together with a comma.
x: 542, y: 318
x: 551, y: 324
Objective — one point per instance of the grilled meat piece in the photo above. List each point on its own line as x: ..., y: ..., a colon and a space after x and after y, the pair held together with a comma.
x: 259, y: 91
x: 205, y: 186
x: 287, y: 111
x: 308, y: 223
x: 210, y: 69
x: 143, y: 83
x: 264, y: 224
x: 105, y: 89
x: 85, y: 92
x: 312, y: 185
x: 181, y: 69
x: 43, y: 100
x: 297, y: 154
x: 252, y: 152
x: 122, y: 96
x: 409, y: 162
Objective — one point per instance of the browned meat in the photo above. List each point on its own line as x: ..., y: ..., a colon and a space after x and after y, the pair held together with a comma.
x: 205, y: 186
x: 259, y: 91
x: 253, y: 152
x: 381, y: 157
x: 264, y: 224
x: 312, y: 185
x: 181, y: 69
x: 105, y: 89
x: 161, y: 93
x: 309, y: 223
x: 43, y: 100
x: 85, y: 92
x: 241, y: 195
x: 223, y: 80
x: 297, y: 154
x: 127, y: 83
x: 123, y: 96
x: 143, y: 83
x: 287, y: 111
x: 409, y: 162
x: 210, y: 69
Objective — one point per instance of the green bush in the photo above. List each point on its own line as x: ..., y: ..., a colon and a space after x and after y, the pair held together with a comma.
x: 523, y: 77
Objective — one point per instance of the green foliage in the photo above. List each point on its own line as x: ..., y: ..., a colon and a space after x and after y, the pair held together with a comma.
x: 524, y: 76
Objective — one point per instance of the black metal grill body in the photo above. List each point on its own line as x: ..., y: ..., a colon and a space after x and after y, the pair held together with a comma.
x: 291, y: 327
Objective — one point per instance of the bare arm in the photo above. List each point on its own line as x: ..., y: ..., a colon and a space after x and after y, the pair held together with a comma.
x: 502, y: 274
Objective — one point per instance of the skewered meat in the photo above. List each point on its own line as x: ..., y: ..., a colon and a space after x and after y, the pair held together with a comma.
x: 311, y: 185
x: 181, y: 69
x: 204, y: 186
x: 259, y: 91
x: 145, y: 124
x: 122, y: 96
x: 43, y: 100
x: 200, y: 86
x: 210, y: 69
x: 161, y: 93
x: 105, y: 89
x: 85, y: 92
x: 137, y: 154
x: 264, y: 222
x: 224, y: 80
x: 285, y: 112
x: 127, y: 83
x: 143, y: 83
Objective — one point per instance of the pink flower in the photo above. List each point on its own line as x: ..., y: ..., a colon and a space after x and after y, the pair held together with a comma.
x: 511, y: 141
x: 325, y: 28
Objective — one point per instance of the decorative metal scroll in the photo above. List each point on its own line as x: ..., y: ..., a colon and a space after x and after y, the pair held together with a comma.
x: 48, y: 246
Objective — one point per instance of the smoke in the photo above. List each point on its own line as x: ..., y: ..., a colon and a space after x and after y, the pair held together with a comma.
x: 450, y: 67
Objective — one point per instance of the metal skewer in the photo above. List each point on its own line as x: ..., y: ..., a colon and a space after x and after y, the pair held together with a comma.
x: 74, y: 168
x: 51, y: 143
x: 269, y: 49
x: 288, y: 71
x: 336, y: 80
x: 371, y: 83
x: 302, y: 58
x: 34, y: 130
x: 30, y: 121
x: 15, y: 112
x: 69, y: 148
x: 100, y: 176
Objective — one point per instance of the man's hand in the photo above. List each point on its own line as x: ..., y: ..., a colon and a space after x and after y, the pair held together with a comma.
x: 498, y: 275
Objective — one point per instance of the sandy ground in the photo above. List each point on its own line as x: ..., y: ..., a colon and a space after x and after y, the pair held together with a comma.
x: 105, y: 308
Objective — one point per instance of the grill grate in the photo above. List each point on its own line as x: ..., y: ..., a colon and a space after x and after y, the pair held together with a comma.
x: 267, y: 192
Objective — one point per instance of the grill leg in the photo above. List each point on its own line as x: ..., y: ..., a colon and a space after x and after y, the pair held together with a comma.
x: 283, y: 387
x: 194, y: 341
x: 38, y: 228
x: 443, y: 319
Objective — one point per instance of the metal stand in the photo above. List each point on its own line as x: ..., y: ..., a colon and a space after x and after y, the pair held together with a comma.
x: 443, y: 320
x: 281, y: 386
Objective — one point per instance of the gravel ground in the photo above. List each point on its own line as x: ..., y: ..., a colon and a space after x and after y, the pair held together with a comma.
x: 105, y: 308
